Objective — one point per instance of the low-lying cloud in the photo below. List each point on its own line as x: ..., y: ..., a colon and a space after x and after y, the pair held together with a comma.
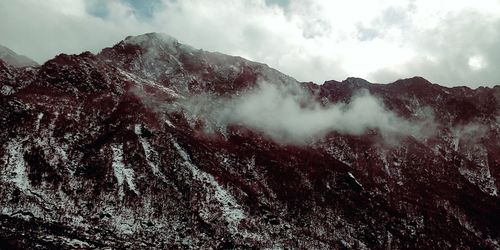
x: 292, y: 115
x: 469, y: 134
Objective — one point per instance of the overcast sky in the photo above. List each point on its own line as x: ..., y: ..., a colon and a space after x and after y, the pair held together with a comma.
x: 450, y: 42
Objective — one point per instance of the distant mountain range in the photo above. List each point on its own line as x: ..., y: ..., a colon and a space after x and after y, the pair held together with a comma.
x: 14, y: 59
x: 154, y: 144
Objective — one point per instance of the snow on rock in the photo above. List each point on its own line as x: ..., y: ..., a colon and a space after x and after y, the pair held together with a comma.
x: 475, y: 152
x: 15, y: 168
x: 151, y: 39
x: 124, y: 221
x: 152, y: 157
x: 68, y: 242
x: 7, y: 90
x: 230, y: 209
x: 482, y: 177
x: 456, y: 143
x: 354, y: 178
x: 136, y: 79
x: 55, y: 151
x: 38, y: 120
x: 340, y: 150
x: 383, y: 157
x: 169, y: 123
x: 61, y: 152
x: 122, y: 173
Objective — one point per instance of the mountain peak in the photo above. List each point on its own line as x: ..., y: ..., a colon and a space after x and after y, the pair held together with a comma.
x: 14, y: 59
x: 355, y: 81
x: 149, y: 39
x: 416, y: 80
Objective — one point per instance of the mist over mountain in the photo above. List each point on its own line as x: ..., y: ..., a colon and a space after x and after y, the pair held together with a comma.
x: 155, y: 144
x: 14, y: 59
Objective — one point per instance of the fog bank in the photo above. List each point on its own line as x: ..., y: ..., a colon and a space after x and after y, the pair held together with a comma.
x: 292, y: 115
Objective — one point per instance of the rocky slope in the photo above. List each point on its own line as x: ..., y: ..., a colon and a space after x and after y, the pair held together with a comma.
x: 93, y: 155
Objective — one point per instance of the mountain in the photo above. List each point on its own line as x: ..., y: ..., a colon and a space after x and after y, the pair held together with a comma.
x: 15, y: 59
x: 139, y: 147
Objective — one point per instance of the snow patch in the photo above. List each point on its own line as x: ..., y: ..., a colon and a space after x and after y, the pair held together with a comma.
x: 231, y: 210
x: 38, y: 120
x: 354, y: 178
x: 16, y: 166
x: 169, y: 123
x: 122, y: 173
x: 383, y: 157
x: 137, y: 79
x: 456, y: 143
x: 61, y: 151
x: 482, y: 178
x: 148, y: 38
x: 152, y: 157
x: 67, y: 242
x: 7, y: 90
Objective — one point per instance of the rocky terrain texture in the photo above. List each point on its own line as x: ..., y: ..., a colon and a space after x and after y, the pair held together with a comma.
x: 89, y: 160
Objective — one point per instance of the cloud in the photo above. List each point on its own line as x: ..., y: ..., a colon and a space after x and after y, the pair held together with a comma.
x: 463, y: 51
x: 448, y: 42
x: 468, y: 134
x: 289, y: 114
x: 43, y: 29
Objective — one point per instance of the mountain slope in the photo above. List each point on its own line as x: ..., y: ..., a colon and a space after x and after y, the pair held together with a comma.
x: 15, y: 59
x: 97, y: 153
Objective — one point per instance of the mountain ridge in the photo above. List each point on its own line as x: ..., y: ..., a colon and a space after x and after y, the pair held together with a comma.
x: 15, y: 59
x: 102, y: 151
x: 149, y: 40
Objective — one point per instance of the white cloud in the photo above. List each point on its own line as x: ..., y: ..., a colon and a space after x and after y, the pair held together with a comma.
x: 380, y: 40
x: 289, y: 114
x: 477, y: 62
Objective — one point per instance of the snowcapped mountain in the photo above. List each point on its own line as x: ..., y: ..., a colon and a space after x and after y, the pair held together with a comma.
x: 155, y: 144
x: 15, y: 59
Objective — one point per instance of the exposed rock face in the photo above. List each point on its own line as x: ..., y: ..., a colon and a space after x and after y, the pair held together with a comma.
x: 88, y: 160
